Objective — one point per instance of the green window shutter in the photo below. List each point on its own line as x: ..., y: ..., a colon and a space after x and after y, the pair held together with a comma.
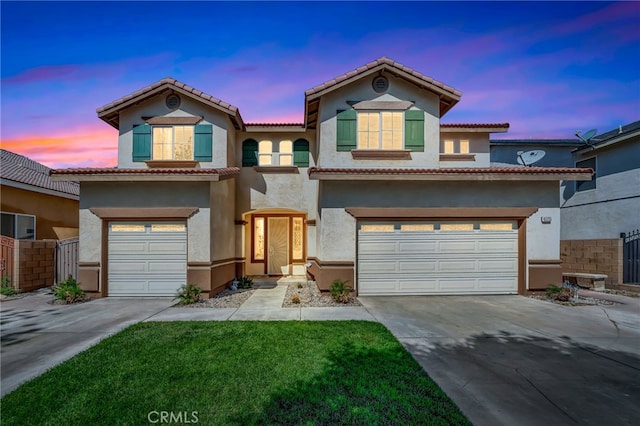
x: 249, y: 153
x: 141, y: 143
x: 203, y: 144
x: 346, y: 134
x: 301, y: 153
x: 414, y: 130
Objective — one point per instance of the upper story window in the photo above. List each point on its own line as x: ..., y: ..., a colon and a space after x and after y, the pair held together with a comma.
x: 380, y: 130
x: 269, y: 153
x: 585, y: 185
x: 456, y: 146
x: 173, y: 143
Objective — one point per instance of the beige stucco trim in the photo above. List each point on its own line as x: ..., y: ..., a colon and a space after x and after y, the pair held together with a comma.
x: 151, y: 213
x: 457, y: 157
x: 381, y: 154
x: 140, y: 177
x: 440, y: 212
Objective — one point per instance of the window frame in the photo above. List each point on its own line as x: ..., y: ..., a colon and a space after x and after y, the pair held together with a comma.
x: 173, y: 142
x: 15, y: 225
x: 456, y: 146
x: 381, y: 130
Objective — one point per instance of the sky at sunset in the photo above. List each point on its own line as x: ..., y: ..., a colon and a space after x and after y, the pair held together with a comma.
x: 548, y: 69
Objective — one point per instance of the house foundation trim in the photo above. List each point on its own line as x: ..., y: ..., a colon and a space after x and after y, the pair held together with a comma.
x: 324, y: 272
x: 544, y: 272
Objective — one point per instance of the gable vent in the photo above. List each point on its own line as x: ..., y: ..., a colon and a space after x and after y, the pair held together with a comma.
x: 380, y: 84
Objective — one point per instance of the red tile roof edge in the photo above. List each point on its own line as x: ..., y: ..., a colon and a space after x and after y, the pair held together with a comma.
x: 475, y: 125
x: 273, y: 124
x: 377, y: 62
x: 172, y: 82
x: 226, y: 171
x: 459, y: 170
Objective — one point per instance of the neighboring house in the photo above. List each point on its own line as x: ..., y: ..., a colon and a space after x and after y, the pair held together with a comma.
x: 371, y: 188
x: 33, y: 206
x: 595, y: 213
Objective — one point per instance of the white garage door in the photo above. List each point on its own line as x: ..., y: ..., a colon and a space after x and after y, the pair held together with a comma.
x: 147, y: 259
x: 437, y: 258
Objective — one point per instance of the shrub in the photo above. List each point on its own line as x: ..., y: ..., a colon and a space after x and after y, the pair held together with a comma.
x: 5, y: 286
x: 295, y: 299
x: 299, y: 285
x: 68, y: 291
x: 245, y: 282
x: 340, y: 291
x: 553, y: 289
x: 188, y: 294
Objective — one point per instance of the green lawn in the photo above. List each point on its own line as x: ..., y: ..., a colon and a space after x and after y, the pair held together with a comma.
x: 240, y: 373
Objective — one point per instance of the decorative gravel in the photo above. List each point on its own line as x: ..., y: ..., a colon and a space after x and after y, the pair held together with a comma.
x: 225, y: 299
x: 310, y: 296
x: 580, y: 301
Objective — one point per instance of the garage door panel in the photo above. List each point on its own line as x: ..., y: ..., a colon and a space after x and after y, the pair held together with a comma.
x: 417, y: 266
x: 167, y: 247
x: 418, y: 247
x: 417, y: 285
x: 507, y: 246
x: 127, y: 247
x: 474, y: 261
x: 505, y: 265
x: 457, y: 266
x: 453, y: 247
x: 166, y: 267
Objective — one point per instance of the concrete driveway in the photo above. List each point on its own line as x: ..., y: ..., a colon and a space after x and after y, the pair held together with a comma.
x: 36, y: 335
x: 512, y: 360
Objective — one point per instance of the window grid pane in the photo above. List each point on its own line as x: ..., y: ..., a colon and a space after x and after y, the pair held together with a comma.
x: 448, y: 146
x: 258, y: 238
x: 298, y: 238
x: 464, y: 146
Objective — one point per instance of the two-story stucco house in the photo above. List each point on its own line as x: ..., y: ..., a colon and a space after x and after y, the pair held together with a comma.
x: 371, y: 188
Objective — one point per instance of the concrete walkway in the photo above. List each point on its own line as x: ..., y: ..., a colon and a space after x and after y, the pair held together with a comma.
x: 265, y: 304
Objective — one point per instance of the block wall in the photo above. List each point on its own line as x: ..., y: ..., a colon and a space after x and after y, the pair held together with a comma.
x: 601, y: 256
x: 34, y: 263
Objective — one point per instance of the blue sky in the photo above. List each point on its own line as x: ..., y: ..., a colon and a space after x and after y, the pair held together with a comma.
x: 547, y: 68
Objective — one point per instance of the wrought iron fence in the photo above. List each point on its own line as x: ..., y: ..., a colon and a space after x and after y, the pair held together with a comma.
x: 631, y: 257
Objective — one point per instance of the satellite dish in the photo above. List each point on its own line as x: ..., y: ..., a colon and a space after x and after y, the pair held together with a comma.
x: 527, y: 158
x: 587, y: 136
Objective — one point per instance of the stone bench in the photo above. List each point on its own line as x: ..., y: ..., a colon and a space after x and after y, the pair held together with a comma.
x: 584, y: 280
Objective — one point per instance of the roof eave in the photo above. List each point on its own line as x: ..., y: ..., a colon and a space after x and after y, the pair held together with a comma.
x: 112, y: 115
x: 451, y: 176
x: 612, y: 141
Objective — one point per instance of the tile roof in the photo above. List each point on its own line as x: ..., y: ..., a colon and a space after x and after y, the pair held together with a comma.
x: 20, y: 169
x: 106, y: 112
x: 226, y: 171
x: 627, y: 128
x: 459, y: 170
x: 557, y: 142
x: 383, y: 61
x: 274, y: 124
x: 474, y: 125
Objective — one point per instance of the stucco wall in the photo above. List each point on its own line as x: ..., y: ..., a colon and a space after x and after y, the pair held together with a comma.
x: 478, y: 145
x: 604, y: 212
x: 361, y: 90
x: 222, y: 239
x: 49, y: 210
x: 145, y: 194
x: 336, y: 234
x: 155, y: 106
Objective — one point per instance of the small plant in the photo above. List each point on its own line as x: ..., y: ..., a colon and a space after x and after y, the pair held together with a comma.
x: 295, y: 300
x: 68, y: 291
x: 5, y: 286
x: 553, y: 290
x: 299, y: 285
x: 340, y: 291
x: 188, y: 294
x: 245, y: 282
x: 561, y: 294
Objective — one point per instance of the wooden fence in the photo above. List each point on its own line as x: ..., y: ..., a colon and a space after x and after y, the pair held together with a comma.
x: 7, y: 248
x: 67, y: 259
